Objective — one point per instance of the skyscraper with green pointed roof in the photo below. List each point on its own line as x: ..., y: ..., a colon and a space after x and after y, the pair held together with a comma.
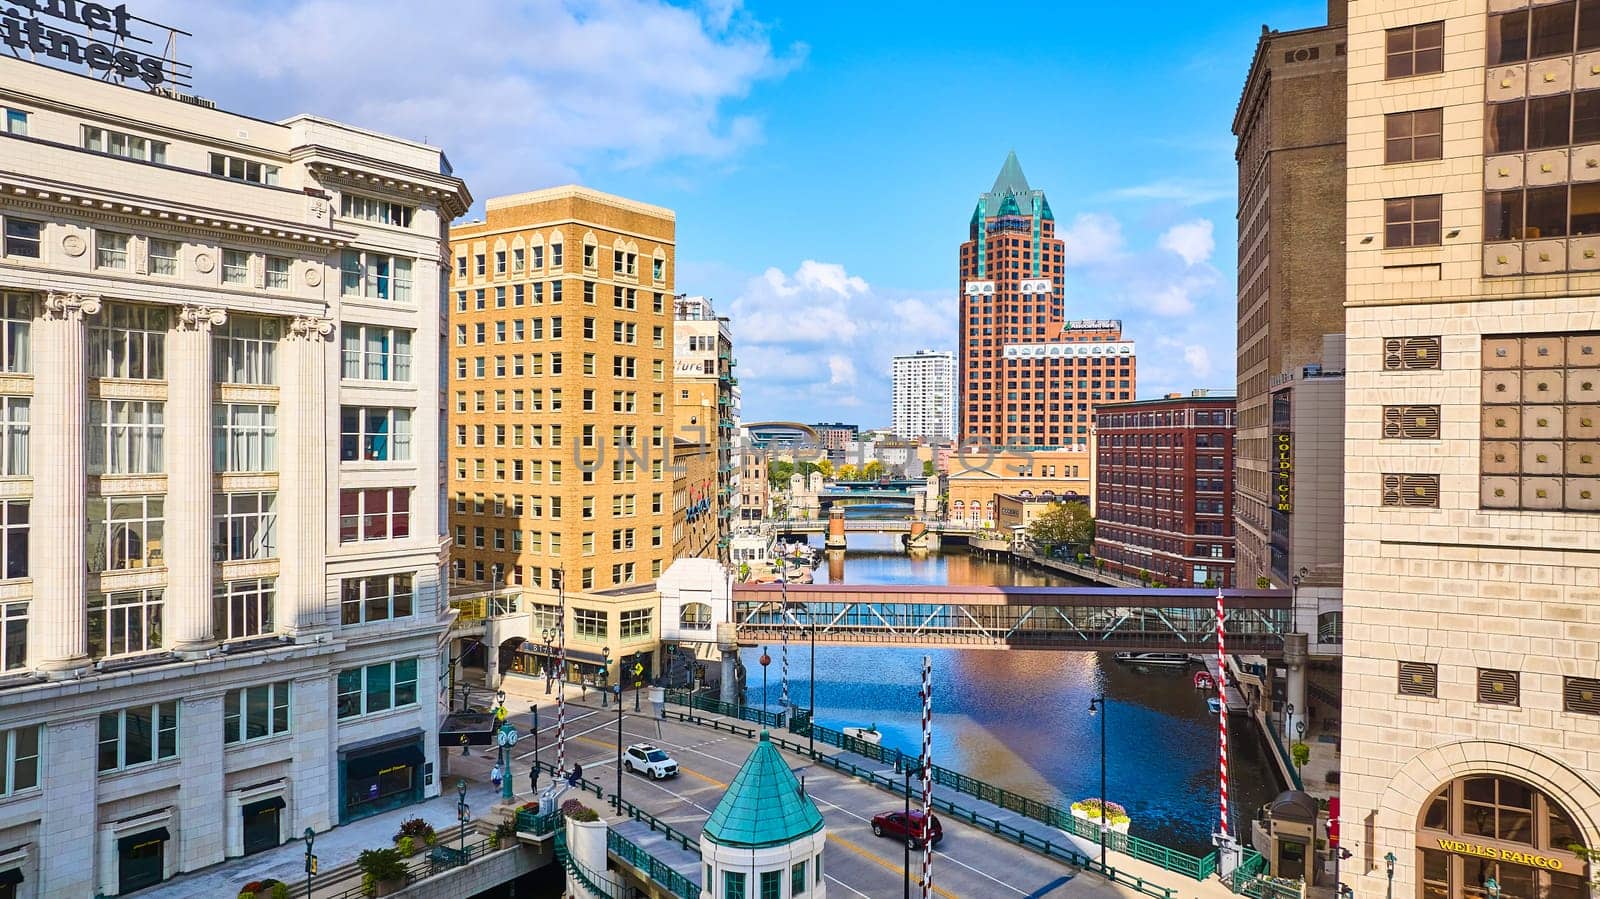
x: 765, y: 829
x: 1028, y: 378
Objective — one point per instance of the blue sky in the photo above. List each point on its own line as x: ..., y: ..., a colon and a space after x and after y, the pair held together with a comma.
x: 823, y: 158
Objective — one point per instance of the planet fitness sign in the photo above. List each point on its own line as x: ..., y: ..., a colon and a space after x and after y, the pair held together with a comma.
x: 79, y: 32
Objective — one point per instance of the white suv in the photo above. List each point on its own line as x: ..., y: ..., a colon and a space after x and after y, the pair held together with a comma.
x: 642, y: 758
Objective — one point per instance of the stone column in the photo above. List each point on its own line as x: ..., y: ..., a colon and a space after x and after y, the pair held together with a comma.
x: 201, y: 837
x: 1295, y: 654
x: 304, y: 437
x: 313, y: 767
x: 57, y: 560
x: 69, y: 822
x: 190, y: 572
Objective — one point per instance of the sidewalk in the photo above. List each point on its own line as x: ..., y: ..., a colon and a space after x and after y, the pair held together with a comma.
x: 1181, y: 885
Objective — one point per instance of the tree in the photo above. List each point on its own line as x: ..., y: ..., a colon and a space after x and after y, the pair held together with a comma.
x: 826, y: 467
x: 778, y: 473
x: 927, y: 468
x: 847, y: 472
x: 872, y: 470
x: 1063, y: 524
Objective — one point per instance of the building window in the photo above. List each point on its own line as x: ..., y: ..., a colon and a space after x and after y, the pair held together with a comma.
x: 797, y: 878
x: 635, y: 624
x: 381, y: 513
x: 124, y: 532
x: 21, y: 768
x: 164, y: 257
x: 277, y: 273
x: 15, y: 121
x: 244, y: 437
x: 376, y: 688
x: 235, y: 268
x: 124, y: 623
x: 1411, y: 222
x: 14, y: 434
x: 138, y: 735
x: 243, y: 608
x: 589, y: 624
x: 245, y: 347
x: 125, y: 436
x: 1414, y: 50
x: 255, y: 713
x: 733, y: 885
x: 13, y: 635
x: 1413, y: 136
x: 111, y: 250
x: 1484, y: 827
x: 380, y: 212
x: 128, y: 342
x: 243, y: 169
x: 772, y: 884
x: 363, y: 600
x: 245, y: 526
x: 376, y: 275
x: 376, y: 353
x: 127, y: 146
x: 374, y: 435
x: 1539, y: 430
x: 14, y: 545
x: 22, y: 237
x: 1419, y: 679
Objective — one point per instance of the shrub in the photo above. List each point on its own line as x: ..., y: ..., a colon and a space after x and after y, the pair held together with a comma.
x: 382, y: 864
x: 416, y: 828
x: 1300, y: 753
x: 247, y: 895
x: 280, y: 890
x: 1115, y: 814
x: 254, y: 886
x: 407, y: 846
x: 577, y: 811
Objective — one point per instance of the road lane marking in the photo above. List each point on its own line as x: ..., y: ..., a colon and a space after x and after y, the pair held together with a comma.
x: 872, y: 856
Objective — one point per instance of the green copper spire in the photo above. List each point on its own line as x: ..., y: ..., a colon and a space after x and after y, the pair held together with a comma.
x: 1010, y: 180
x: 764, y: 805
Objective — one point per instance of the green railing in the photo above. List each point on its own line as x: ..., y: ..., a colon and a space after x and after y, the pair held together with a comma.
x: 673, y: 835
x: 439, y: 859
x: 539, y: 825
x: 656, y: 869
x: 584, y: 875
x: 725, y: 709
x: 1251, y: 879
x: 1288, y: 759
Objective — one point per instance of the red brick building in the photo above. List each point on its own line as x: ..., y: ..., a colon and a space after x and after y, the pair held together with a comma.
x: 1027, y: 376
x: 1164, y: 489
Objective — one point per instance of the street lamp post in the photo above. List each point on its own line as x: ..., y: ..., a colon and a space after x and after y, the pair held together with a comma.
x: 1288, y: 716
x: 638, y: 675
x: 506, y: 738
x: 310, y: 836
x: 462, y: 811
x: 618, y: 803
x: 1300, y: 736
x: 1389, y: 859
x: 549, y: 635
x: 1097, y: 706
x: 605, y: 675
x: 906, y: 866
x: 765, y: 661
x: 533, y: 713
x: 811, y: 717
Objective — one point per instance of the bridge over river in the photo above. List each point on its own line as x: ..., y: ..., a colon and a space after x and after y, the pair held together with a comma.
x: 1057, y: 618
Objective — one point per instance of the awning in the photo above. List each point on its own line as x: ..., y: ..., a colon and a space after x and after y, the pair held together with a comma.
x: 374, y: 764
x: 10, y: 877
x: 159, y: 834
x: 573, y: 655
x: 467, y: 729
x: 256, y: 808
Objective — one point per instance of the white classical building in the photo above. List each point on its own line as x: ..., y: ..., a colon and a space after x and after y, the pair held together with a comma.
x: 220, y: 616
x: 766, y: 836
x: 925, y: 395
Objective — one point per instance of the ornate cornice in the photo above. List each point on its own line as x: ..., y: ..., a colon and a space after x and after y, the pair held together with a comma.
x: 70, y: 306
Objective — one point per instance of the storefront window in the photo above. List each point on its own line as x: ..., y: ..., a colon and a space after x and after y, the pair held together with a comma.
x: 1482, y: 827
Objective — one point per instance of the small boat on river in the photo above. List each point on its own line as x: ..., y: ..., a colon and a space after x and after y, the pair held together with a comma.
x: 867, y: 734
x: 1164, y: 659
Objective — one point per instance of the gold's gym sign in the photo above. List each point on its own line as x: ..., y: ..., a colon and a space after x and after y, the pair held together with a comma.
x: 97, y: 35
x: 1283, y: 488
x: 1517, y: 857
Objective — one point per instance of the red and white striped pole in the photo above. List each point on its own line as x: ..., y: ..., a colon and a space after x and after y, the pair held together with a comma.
x: 927, y: 776
x: 561, y: 672
x: 1222, y: 712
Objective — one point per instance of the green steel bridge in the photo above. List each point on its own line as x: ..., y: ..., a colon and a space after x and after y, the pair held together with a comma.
x: 1053, y: 618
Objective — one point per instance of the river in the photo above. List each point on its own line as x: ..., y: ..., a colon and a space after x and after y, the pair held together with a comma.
x: 1020, y: 719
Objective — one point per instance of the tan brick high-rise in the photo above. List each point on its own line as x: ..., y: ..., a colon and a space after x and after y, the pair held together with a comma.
x: 561, y: 352
x: 1471, y: 727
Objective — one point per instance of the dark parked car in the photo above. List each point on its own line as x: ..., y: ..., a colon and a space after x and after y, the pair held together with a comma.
x: 893, y: 824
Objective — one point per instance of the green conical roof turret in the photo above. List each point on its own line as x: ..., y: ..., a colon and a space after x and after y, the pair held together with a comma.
x: 764, y: 805
x: 1011, y: 194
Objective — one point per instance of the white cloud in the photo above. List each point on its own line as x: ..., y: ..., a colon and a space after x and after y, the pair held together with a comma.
x: 841, y: 371
x: 1093, y: 239
x: 1191, y: 240
x: 1199, y: 359
x: 1181, y: 191
x: 518, y: 94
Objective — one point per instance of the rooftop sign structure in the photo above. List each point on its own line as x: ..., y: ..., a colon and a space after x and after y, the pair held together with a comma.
x: 100, y: 37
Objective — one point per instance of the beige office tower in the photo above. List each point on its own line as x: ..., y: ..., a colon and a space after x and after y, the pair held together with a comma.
x: 1471, y: 744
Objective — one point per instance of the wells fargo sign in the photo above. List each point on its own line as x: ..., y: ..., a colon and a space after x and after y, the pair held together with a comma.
x: 1283, y: 471
x: 1515, y: 856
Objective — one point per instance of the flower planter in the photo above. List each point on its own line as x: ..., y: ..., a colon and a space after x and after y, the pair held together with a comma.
x: 1093, y: 818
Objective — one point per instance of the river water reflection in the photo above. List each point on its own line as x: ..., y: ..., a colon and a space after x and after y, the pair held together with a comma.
x: 1020, y: 719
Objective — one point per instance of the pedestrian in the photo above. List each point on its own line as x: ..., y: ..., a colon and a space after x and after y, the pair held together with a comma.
x: 575, y: 776
x: 533, y: 777
x: 494, y: 775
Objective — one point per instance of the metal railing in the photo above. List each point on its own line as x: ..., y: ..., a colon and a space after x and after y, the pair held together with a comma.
x: 583, y: 874
x: 1251, y: 879
x: 439, y: 859
x: 725, y: 709
x: 1170, y: 859
x: 656, y: 869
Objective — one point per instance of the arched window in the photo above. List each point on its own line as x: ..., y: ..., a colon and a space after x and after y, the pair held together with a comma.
x: 1486, y: 826
x: 695, y: 616
x: 959, y: 507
